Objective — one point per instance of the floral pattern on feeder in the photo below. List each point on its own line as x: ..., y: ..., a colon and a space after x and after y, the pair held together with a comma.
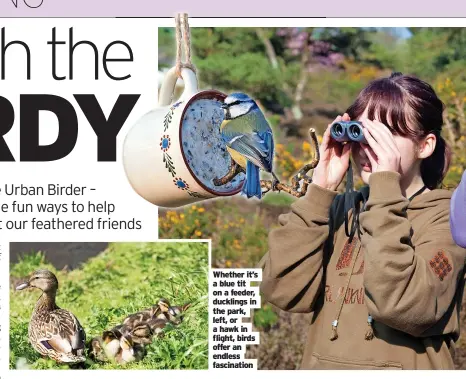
x: 181, y: 184
x: 184, y: 186
x: 165, y: 144
x: 169, y: 116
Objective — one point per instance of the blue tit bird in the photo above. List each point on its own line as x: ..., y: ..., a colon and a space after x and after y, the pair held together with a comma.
x: 249, y: 140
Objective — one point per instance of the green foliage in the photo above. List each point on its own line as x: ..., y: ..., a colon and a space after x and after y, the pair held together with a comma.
x: 386, y: 50
x: 125, y: 278
x: 350, y: 41
x: 166, y: 42
x: 432, y: 51
x: 249, y: 72
x: 265, y: 317
x: 282, y: 199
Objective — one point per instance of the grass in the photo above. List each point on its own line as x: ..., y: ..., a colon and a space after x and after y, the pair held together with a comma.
x: 123, y: 279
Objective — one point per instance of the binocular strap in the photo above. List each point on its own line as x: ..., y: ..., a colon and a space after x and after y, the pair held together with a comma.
x: 352, y: 202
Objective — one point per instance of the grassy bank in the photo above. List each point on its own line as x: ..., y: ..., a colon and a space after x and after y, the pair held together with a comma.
x: 123, y: 279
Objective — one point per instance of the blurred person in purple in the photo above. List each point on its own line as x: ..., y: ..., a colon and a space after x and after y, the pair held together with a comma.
x: 458, y: 213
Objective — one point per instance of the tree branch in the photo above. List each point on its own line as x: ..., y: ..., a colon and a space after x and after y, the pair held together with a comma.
x: 299, y: 183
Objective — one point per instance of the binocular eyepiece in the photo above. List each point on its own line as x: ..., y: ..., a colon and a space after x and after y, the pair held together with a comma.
x: 347, y: 131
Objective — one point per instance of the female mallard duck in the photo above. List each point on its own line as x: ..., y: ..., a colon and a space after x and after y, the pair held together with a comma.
x: 53, y: 332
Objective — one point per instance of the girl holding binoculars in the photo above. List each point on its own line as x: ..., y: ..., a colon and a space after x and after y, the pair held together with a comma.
x: 388, y: 294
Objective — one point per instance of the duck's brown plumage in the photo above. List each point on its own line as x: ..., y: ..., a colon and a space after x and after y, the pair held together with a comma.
x: 53, y: 331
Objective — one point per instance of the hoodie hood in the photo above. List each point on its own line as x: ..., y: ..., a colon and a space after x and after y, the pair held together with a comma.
x: 431, y: 199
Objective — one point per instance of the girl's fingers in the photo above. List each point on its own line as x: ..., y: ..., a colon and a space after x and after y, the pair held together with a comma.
x: 346, y: 152
x: 370, y: 154
x: 346, y: 117
x: 378, y: 137
x: 326, y: 138
x: 376, y: 147
x: 386, y: 132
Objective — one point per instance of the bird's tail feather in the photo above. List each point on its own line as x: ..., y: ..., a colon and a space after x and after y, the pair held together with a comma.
x: 252, y: 185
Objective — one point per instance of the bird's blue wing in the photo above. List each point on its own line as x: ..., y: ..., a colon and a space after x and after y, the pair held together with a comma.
x: 266, y: 139
x: 256, y: 147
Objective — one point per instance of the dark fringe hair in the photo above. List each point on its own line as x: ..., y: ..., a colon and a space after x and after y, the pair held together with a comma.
x: 409, y: 107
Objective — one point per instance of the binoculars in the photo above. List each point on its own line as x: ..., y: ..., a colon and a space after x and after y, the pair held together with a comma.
x: 347, y: 131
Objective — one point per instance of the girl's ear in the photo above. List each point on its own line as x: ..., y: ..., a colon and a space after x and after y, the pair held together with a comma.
x: 427, y: 146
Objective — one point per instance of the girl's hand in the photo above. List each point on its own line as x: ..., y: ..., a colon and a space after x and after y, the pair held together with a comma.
x: 334, y: 160
x: 382, y: 150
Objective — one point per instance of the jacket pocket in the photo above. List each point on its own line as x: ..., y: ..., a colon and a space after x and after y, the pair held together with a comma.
x: 323, y: 362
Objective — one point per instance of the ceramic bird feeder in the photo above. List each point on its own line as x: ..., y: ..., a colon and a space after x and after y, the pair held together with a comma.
x: 173, y: 154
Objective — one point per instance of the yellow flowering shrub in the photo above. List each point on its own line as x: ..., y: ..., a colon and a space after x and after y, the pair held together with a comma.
x: 239, y: 238
x: 289, y: 160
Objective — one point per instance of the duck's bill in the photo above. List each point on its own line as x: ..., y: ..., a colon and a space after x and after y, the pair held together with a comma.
x: 22, y: 286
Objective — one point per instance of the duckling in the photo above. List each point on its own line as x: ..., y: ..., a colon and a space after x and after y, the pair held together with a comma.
x: 109, y: 342
x: 129, y: 351
x: 116, y: 345
x: 174, y: 314
x: 140, y: 333
x: 144, y: 332
x: 143, y: 316
x: 157, y: 326
x: 53, y: 332
x: 96, y: 350
x: 111, y: 339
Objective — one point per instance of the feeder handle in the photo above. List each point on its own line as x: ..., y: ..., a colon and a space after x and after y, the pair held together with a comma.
x: 169, y: 83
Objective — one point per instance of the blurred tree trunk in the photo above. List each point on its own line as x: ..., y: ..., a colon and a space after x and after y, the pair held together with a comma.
x: 297, y: 94
x: 268, y: 48
x: 304, y: 73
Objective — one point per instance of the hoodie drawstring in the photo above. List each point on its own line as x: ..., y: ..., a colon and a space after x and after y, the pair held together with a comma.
x: 334, y: 334
x: 370, y: 329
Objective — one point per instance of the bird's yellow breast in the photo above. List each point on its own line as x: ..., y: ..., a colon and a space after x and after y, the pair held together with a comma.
x: 237, y: 157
